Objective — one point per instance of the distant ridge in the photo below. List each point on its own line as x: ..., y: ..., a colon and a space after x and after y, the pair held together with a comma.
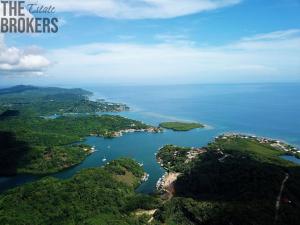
x: 23, y: 88
x: 17, y: 89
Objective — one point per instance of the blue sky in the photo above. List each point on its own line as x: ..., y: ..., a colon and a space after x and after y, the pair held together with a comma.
x: 159, y: 41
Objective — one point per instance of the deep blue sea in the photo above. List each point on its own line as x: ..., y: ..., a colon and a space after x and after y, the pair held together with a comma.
x: 269, y: 110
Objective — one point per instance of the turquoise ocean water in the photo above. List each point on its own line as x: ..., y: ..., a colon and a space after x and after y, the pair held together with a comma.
x: 270, y: 110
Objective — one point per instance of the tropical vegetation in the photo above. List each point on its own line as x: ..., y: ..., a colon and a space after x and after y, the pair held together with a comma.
x: 237, y: 181
x: 32, y: 142
x: 181, y: 126
x: 103, y: 196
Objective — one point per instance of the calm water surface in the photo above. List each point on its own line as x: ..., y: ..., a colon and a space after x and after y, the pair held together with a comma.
x: 270, y: 110
x: 291, y: 158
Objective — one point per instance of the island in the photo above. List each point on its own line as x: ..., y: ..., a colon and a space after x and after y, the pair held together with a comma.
x: 180, y: 126
x: 236, y: 179
x: 33, y: 142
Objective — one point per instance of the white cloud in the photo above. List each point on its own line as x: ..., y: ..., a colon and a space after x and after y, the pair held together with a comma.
x: 282, y: 34
x: 287, y: 41
x: 171, y: 38
x: 251, y: 58
x: 140, y: 9
x: 15, y: 61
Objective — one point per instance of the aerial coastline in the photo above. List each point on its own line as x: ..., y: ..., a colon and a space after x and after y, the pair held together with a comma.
x: 48, y: 140
x: 175, y: 160
x: 226, y: 169
x: 179, y: 184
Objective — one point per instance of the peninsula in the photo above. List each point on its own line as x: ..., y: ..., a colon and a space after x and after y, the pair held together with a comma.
x: 32, y: 141
x: 236, y: 179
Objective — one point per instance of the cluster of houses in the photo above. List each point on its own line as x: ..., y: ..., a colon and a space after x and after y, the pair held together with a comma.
x: 117, y: 106
x: 110, y: 106
x: 262, y: 140
x: 190, y: 155
x: 132, y: 130
x: 193, y: 154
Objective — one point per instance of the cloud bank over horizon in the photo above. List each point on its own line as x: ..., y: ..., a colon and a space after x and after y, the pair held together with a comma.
x: 148, y: 42
x: 265, y: 56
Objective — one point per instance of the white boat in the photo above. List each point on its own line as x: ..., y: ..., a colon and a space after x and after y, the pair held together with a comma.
x: 104, y: 159
x: 145, y: 177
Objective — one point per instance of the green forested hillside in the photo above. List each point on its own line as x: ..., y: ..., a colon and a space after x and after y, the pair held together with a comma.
x: 31, y: 142
x: 38, y: 145
x: 93, y: 196
x: 30, y: 100
x: 237, y: 181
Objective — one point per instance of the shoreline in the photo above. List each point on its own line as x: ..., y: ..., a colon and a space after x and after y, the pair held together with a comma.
x: 166, y: 182
x: 261, y: 136
x: 126, y: 131
x: 275, y: 143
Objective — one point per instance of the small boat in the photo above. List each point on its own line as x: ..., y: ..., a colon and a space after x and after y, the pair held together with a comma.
x: 104, y: 159
x: 145, y: 177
